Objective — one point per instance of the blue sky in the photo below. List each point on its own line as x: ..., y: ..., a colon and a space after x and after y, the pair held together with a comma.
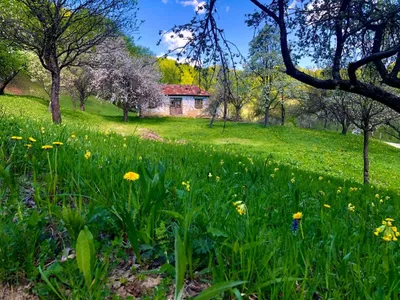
x: 164, y: 14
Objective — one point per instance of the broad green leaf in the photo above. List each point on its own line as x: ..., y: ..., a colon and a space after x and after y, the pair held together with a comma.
x: 180, y: 266
x: 85, y: 254
x: 217, y: 289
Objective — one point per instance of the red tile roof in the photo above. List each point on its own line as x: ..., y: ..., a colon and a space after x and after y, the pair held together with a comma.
x: 183, y: 90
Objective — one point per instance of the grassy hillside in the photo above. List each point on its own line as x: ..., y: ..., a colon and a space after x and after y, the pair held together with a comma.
x: 272, y: 212
x: 325, y: 153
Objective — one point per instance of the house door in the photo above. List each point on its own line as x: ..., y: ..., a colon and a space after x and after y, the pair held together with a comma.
x: 175, y: 107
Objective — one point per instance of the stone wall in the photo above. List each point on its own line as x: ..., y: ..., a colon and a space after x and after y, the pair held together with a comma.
x: 188, y: 107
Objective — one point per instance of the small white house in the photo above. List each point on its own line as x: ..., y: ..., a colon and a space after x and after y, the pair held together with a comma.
x: 181, y: 100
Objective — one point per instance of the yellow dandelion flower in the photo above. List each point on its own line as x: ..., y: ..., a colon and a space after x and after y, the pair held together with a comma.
x: 87, y: 154
x: 73, y: 136
x: 28, y: 145
x: 351, y: 207
x: 240, y: 207
x: 47, y: 147
x: 32, y: 140
x: 16, y: 138
x: 58, y: 143
x: 298, y: 216
x: 389, y: 219
x: 327, y: 206
x: 131, y: 176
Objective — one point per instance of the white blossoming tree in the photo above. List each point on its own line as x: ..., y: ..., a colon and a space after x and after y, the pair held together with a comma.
x: 130, y: 82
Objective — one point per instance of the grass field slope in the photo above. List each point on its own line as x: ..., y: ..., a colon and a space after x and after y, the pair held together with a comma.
x: 90, y: 210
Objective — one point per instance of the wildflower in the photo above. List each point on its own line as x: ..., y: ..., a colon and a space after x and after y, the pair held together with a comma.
x: 87, y: 154
x: 377, y: 196
x: 389, y: 231
x: 373, y: 204
x: 42, y: 129
x: 338, y: 192
x: 131, y: 176
x: 17, y: 138
x: 351, y: 207
x: 217, y: 179
x: 58, y: 143
x: 276, y: 169
x: 186, y: 185
x: 381, y: 201
x: 293, y: 180
x: 28, y: 145
x: 240, y: 207
x: 387, y: 198
x: 47, y: 147
x: 297, y: 216
x: 32, y: 140
x: 353, y: 189
x: 140, y: 158
x: 320, y: 178
x: 327, y: 206
x: 73, y: 136
x: 272, y: 175
x: 209, y: 175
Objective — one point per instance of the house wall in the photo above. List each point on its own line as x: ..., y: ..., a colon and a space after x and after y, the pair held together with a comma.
x: 188, y: 107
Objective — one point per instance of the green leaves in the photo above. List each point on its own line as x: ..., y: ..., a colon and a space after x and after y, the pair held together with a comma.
x: 217, y: 289
x: 85, y: 255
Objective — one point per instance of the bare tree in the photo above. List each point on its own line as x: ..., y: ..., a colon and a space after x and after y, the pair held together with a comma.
x: 331, y: 31
x: 60, y: 31
x: 367, y: 115
x: 79, y: 85
x: 129, y: 82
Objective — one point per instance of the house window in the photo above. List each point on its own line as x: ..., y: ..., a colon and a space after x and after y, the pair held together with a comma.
x: 198, y: 103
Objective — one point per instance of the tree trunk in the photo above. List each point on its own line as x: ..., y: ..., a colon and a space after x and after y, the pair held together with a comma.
x: 126, y: 111
x: 283, y: 113
x: 365, y: 156
x: 237, y: 114
x: 345, y: 128
x: 266, y: 117
x: 55, y: 97
x: 82, y: 104
x: 325, y: 123
x: 225, y: 109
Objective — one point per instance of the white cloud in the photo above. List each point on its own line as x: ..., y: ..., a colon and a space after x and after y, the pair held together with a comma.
x: 228, y: 8
x: 293, y: 5
x: 198, y: 6
x: 164, y: 1
x: 176, y: 40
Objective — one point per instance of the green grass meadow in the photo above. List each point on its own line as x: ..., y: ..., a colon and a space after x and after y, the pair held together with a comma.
x: 210, y: 205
